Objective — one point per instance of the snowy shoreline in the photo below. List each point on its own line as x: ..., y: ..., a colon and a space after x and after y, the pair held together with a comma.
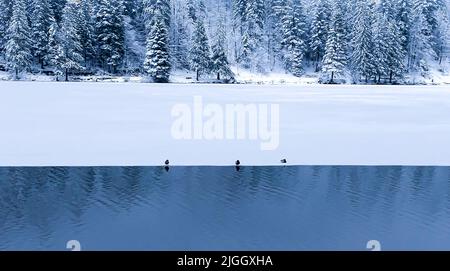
x: 129, y: 124
x: 242, y: 78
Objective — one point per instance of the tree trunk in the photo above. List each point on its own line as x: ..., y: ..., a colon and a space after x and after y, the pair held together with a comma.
x: 391, y: 75
x: 67, y: 75
x: 318, y: 59
x: 198, y: 75
x: 218, y: 76
x: 17, y: 74
x: 332, y: 77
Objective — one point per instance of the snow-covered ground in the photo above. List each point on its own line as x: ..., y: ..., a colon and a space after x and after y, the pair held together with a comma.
x: 83, y: 124
x: 440, y: 75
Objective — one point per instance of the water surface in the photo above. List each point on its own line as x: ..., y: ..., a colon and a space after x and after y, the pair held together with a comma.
x: 220, y: 208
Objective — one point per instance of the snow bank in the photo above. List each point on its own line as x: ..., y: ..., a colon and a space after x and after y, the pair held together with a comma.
x: 87, y: 124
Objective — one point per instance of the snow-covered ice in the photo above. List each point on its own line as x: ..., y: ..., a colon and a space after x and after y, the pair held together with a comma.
x: 111, y: 124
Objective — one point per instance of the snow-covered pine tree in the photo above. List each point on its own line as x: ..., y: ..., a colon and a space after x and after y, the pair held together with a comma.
x: 200, y: 50
x: 294, y: 29
x: 157, y: 62
x: 277, y: 10
x: 201, y: 10
x: 4, y: 19
x: 40, y: 23
x: 404, y: 22
x: 191, y: 10
x: 421, y: 44
x: 70, y: 39
x: 362, y: 57
x: 335, y: 59
x: 430, y: 10
x: 252, y: 51
x: 55, y: 54
x: 180, y: 38
x: 86, y: 30
x: 395, y: 52
x: 386, y: 7
x: 110, y: 33
x: 219, y: 60
x: 240, y: 12
x: 246, y: 51
x: 442, y: 32
x: 380, y: 46
x: 388, y: 40
x: 319, y: 30
x: 18, y: 42
x: 157, y: 7
x: 57, y: 7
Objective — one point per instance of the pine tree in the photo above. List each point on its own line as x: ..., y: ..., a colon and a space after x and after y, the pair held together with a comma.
x: 86, y: 30
x: 386, y: 7
x: 200, y: 51
x: 246, y: 52
x: 279, y: 8
x: 362, y: 58
x: 319, y: 30
x: 240, y: 12
x: 252, y: 38
x: 180, y: 38
x: 404, y: 22
x: 18, y: 44
x: 202, y: 9
x: 157, y: 62
x: 191, y: 10
x: 442, y: 31
x: 432, y: 10
x: 275, y: 25
x: 154, y: 8
x: 421, y: 39
x: 335, y: 58
x: 55, y: 56
x: 4, y: 19
x: 219, y: 60
x: 40, y: 21
x: 57, y: 8
x: 395, y: 53
x: 70, y: 40
x: 110, y: 33
x: 294, y: 35
x: 380, y: 46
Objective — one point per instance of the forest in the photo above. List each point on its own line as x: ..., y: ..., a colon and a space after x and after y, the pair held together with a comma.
x: 358, y: 41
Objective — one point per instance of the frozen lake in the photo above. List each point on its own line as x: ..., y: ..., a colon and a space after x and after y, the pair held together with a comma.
x: 219, y: 208
x: 114, y: 124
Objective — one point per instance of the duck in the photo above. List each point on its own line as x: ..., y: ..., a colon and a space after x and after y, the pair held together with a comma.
x: 238, y: 163
x: 283, y: 161
x: 167, y: 162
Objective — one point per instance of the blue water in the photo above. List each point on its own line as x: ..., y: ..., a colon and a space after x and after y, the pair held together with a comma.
x: 220, y: 208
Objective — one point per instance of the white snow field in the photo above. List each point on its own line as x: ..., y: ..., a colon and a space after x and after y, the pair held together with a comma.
x: 120, y: 124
